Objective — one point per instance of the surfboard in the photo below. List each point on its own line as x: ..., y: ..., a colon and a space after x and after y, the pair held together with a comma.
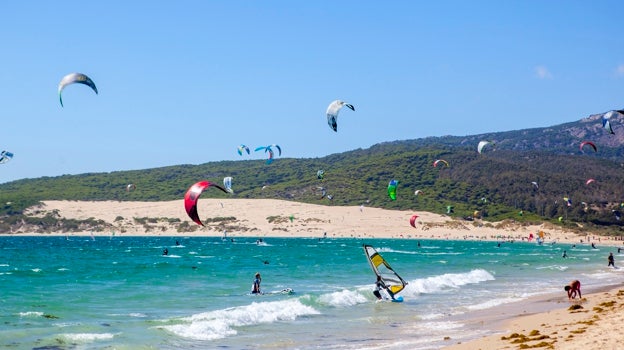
x: 285, y: 291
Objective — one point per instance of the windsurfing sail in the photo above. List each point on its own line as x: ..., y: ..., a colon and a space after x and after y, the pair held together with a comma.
x: 382, y: 269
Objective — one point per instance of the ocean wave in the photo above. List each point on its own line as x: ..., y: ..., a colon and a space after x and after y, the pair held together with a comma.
x: 222, y: 323
x: 552, y: 267
x: 390, y: 250
x: 86, y: 337
x: 446, y: 281
x: 494, y: 302
x: 31, y: 314
x: 342, y: 298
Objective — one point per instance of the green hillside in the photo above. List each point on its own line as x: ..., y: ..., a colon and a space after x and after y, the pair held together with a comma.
x: 497, y: 183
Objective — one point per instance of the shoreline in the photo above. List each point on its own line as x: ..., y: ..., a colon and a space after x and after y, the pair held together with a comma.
x: 264, y: 218
x: 542, y: 319
x: 550, y: 321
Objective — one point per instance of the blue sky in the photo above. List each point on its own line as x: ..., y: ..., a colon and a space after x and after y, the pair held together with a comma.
x: 186, y: 82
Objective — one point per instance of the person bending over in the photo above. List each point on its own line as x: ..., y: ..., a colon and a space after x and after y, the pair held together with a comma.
x: 573, y: 289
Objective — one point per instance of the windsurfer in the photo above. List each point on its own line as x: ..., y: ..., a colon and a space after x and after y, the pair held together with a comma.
x: 255, y: 288
x: 379, y: 285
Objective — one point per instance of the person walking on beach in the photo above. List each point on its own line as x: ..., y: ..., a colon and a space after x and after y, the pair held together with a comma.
x: 255, y: 288
x: 611, y: 260
x: 573, y: 289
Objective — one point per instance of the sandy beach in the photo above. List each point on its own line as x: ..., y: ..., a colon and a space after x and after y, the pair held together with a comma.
x: 590, y: 323
x: 552, y: 323
x: 279, y: 218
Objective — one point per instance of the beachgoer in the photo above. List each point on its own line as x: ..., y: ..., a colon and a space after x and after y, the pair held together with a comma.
x: 593, y: 245
x: 165, y: 251
x: 565, y: 255
x: 573, y: 289
x: 611, y: 260
x: 379, y: 285
x: 255, y: 289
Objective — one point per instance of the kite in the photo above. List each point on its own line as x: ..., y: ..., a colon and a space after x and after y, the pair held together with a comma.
x: 269, y: 149
x: 75, y: 78
x: 417, y: 192
x: 130, y: 187
x: 392, y: 187
x: 227, y: 183
x: 192, y: 196
x: 591, y: 144
x: 435, y: 164
x: 413, y: 220
x: 589, y: 181
x: 535, y: 185
x: 242, y: 148
x: 5, y: 156
x: 320, y: 174
x: 332, y: 113
x: 482, y: 144
x: 323, y: 191
x: 606, y: 120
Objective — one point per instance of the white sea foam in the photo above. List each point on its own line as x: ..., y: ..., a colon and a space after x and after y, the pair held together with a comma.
x: 446, y: 281
x: 86, y: 337
x: 553, y: 267
x: 132, y: 314
x: 222, y: 323
x: 494, y: 302
x: 343, y: 298
x: 31, y: 314
x: 390, y: 250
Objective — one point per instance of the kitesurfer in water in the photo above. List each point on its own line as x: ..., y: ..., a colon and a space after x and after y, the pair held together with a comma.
x: 165, y: 251
x: 255, y: 289
x: 379, y: 285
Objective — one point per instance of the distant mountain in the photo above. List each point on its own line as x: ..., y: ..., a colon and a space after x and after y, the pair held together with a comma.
x: 494, y: 185
x: 563, y: 139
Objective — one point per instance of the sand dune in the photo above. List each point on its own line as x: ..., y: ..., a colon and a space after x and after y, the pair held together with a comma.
x: 272, y: 218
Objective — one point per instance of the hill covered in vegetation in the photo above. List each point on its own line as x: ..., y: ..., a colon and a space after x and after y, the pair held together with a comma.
x: 495, y: 185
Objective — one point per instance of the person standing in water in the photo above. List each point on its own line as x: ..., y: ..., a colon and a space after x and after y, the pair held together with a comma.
x: 611, y: 260
x: 255, y: 288
x: 379, y: 285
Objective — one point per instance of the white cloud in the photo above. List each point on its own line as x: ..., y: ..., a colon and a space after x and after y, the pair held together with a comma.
x: 542, y: 72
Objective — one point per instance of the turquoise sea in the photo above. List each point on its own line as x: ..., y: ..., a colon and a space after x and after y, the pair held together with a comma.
x: 122, y: 293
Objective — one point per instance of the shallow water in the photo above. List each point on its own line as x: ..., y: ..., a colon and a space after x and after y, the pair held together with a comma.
x: 121, y: 292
